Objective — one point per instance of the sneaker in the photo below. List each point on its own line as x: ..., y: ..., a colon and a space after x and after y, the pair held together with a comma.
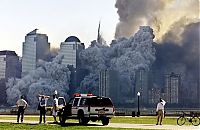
x: 157, y: 124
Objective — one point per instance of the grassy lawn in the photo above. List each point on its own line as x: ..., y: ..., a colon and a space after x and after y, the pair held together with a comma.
x: 143, y: 120
x: 11, y: 126
x: 129, y: 120
x: 73, y: 125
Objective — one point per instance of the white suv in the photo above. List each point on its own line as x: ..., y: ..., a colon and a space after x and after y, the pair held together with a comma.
x: 86, y: 107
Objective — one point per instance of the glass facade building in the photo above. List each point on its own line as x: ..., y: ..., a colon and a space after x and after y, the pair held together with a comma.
x: 172, y: 85
x: 109, y: 85
x: 35, y: 47
x: 70, y: 49
x: 10, y: 67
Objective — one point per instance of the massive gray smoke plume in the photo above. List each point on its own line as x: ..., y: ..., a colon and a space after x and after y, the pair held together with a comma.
x: 159, y: 14
x: 124, y: 55
x: 47, y: 78
x: 177, y: 31
x: 182, y: 57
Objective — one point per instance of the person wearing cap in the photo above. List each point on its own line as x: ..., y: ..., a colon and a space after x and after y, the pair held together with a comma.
x: 160, y: 111
x: 21, y: 105
x: 43, y: 102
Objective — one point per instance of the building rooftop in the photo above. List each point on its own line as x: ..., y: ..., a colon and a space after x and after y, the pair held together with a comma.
x: 33, y: 32
x: 7, y: 52
x: 72, y: 39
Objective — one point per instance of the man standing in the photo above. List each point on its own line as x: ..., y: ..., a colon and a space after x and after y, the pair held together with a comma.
x: 21, y: 105
x: 160, y: 111
x: 55, y: 107
x: 43, y: 102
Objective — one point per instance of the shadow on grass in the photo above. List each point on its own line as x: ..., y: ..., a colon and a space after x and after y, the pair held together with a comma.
x: 62, y: 125
x: 77, y: 124
x: 26, y: 124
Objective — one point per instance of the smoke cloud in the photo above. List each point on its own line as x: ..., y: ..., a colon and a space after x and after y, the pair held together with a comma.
x: 181, y: 56
x: 161, y: 15
x: 176, y: 25
x: 124, y: 55
x: 47, y: 78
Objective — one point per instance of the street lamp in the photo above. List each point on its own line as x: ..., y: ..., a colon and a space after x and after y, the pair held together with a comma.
x: 138, y: 112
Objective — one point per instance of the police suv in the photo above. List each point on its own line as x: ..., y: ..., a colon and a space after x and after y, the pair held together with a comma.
x: 86, y: 107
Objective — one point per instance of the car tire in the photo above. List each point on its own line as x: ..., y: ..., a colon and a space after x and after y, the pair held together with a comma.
x: 82, y: 120
x: 105, y: 121
x: 62, y: 119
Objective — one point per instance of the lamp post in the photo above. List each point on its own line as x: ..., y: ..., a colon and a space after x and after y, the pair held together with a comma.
x: 138, y: 112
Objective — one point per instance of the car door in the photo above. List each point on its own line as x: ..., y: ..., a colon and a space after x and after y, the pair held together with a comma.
x: 75, y: 106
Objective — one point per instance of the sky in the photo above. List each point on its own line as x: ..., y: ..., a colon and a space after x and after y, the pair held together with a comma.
x: 56, y: 18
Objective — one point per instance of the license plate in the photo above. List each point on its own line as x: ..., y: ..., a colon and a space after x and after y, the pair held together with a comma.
x: 101, y: 112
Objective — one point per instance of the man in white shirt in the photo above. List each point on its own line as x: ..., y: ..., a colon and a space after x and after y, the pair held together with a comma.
x: 160, y: 111
x: 55, y: 107
x: 21, y: 105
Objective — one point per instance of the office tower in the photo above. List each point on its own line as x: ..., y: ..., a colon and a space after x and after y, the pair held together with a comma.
x: 35, y: 47
x: 172, y: 85
x: 70, y: 49
x: 109, y: 85
x: 10, y: 67
x: 141, y: 85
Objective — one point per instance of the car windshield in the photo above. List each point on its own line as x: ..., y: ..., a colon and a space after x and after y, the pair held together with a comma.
x: 100, y: 102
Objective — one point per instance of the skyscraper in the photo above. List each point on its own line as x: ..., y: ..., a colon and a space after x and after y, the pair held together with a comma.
x: 10, y: 67
x: 70, y: 49
x: 109, y: 85
x: 172, y: 85
x: 35, y: 47
x: 141, y: 85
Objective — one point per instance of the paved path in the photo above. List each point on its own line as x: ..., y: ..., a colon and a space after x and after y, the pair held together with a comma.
x: 154, y: 127
x: 121, y: 125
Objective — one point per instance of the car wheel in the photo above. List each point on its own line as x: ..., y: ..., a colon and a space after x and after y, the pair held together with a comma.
x: 62, y: 119
x: 82, y: 120
x: 105, y: 121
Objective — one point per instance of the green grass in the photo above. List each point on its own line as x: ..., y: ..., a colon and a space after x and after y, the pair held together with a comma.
x: 129, y: 120
x: 75, y: 126
x: 143, y: 120
x: 34, y: 118
x: 11, y: 126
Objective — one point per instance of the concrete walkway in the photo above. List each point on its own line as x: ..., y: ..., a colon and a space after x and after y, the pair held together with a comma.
x: 121, y: 125
x: 154, y: 127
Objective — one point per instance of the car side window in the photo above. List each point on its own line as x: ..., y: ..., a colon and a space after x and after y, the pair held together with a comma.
x: 75, y: 101
x: 71, y: 101
x: 83, y: 102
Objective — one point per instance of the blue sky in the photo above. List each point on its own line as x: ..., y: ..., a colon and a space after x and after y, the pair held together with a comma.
x: 56, y: 18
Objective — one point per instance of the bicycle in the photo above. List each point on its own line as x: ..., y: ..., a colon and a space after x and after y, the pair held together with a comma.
x: 193, y: 119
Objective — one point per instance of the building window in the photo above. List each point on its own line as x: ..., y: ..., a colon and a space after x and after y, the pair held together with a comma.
x: 74, y: 46
x: 35, y: 39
